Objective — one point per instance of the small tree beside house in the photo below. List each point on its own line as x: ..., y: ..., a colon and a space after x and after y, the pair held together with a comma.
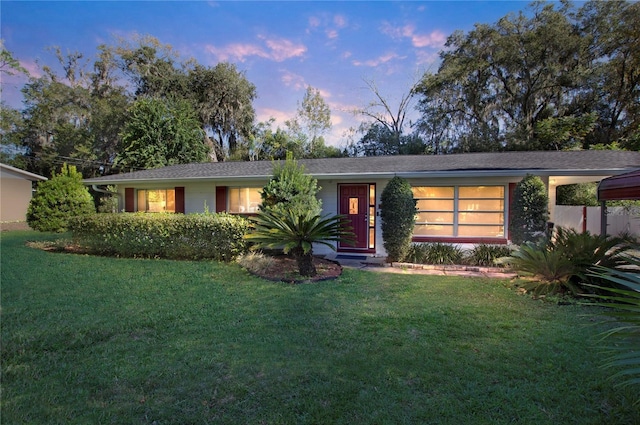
x: 57, y: 200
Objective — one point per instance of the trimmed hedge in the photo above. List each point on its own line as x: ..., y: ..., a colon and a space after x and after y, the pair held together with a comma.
x: 175, y: 236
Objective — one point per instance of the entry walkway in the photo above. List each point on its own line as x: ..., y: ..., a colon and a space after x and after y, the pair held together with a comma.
x: 362, y: 262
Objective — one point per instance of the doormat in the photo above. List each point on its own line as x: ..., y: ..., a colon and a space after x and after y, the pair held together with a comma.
x: 350, y: 257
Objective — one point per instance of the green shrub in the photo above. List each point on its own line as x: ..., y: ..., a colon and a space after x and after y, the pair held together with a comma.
x: 529, y: 214
x: 486, y: 255
x: 177, y: 236
x: 290, y: 188
x: 435, y: 253
x: 57, y: 200
x: 398, y: 213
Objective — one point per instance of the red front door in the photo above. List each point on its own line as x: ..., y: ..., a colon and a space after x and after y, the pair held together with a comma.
x: 354, y: 203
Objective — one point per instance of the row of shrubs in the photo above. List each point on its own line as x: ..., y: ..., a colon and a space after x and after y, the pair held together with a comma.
x: 446, y: 254
x: 176, y: 236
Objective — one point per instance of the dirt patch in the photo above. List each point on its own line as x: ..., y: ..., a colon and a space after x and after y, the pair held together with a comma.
x: 9, y: 226
x: 285, y: 269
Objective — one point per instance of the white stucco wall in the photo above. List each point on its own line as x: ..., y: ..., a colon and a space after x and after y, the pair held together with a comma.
x: 15, y: 195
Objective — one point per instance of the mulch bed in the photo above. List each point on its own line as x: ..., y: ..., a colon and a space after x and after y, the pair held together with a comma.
x: 285, y: 269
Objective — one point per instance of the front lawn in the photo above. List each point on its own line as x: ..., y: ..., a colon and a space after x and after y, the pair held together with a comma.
x: 104, y: 340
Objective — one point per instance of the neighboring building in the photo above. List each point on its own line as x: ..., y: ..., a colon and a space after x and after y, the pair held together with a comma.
x: 462, y: 198
x: 16, y: 188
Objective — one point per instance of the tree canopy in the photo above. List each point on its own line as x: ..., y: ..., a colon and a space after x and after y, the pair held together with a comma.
x: 550, y: 78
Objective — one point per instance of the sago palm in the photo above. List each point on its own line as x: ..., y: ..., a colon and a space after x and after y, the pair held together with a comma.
x: 624, y: 304
x: 296, y: 233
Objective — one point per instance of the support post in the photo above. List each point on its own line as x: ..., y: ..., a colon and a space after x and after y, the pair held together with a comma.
x: 603, y: 218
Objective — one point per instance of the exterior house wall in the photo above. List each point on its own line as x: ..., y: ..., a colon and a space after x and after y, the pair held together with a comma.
x: 15, y: 197
x: 16, y: 189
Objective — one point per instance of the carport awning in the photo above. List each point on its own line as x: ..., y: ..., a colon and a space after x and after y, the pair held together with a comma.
x: 620, y: 187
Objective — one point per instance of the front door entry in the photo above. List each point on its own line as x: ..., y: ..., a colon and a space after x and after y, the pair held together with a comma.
x: 354, y: 204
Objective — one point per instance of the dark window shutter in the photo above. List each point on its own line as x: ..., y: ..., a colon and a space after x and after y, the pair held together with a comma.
x: 221, y: 199
x: 129, y: 199
x: 179, y: 199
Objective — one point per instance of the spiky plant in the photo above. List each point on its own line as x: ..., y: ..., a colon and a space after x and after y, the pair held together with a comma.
x: 624, y: 307
x: 551, y: 269
x: 586, y: 250
x: 296, y: 232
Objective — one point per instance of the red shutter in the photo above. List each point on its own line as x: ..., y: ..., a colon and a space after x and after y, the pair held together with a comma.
x: 179, y: 199
x: 129, y: 199
x: 221, y: 199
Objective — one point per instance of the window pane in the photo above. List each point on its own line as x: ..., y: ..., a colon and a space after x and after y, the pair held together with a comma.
x: 433, y: 230
x: 171, y: 200
x: 434, y: 217
x: 244, y: 199
x: 480, y: 218
x: 372, y: 216
x: 142, y: 200
x: 156, y: 200
x: 432, y: 192
x: 481, y: 191
x: 372, y: 238
x: 372, y: 194
x: 478, y: 231
x: 435, y: 205
x: 353, y: 206
x: 481, y: 205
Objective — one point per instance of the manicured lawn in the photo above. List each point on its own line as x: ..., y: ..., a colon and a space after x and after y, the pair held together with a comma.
x: 88, y: 340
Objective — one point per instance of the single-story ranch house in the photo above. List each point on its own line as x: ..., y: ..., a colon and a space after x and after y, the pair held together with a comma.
x: 461, y: 198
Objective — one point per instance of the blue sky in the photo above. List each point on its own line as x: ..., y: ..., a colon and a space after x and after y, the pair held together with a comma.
x: 281, y: 46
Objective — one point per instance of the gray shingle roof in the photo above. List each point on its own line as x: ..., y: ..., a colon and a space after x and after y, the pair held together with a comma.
x: 458, y: 165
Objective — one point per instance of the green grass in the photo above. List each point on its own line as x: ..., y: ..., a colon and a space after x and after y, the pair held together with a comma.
x: 104, y: 340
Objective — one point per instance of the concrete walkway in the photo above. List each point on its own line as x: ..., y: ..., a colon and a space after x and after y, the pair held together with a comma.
x: 374, y: 264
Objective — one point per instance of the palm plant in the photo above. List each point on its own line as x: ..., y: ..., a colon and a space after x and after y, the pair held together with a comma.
x: 551, y: 268
x: 586, y: 250
x: 624, y: 304
x: 296, y: 232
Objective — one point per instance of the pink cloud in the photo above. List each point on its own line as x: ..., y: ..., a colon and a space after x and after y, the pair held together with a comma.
x: 293, y: 80
x: 331, y: 34
x: 378, y: 61
x: 434, y: 39
x: 340, y: 21
x: 276, y: 49
x: 236, y: 51
x: 282, y: 49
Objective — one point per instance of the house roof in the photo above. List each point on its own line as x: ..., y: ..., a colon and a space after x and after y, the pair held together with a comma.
x: 21, y: 173
x: 544, y: 163
x: 623, y: 186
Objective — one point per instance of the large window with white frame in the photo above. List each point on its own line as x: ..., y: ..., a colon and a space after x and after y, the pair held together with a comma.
x: 460, y: 211
x: 244, y: 200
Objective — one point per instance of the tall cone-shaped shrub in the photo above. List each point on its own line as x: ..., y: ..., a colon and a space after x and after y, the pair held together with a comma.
x: 398, y: 214
x: 530, y: 211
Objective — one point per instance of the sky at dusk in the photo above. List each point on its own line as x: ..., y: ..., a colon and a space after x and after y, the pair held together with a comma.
x: 281, y: 46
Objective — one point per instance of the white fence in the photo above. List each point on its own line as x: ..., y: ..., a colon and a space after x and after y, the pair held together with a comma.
x: 619, y: 219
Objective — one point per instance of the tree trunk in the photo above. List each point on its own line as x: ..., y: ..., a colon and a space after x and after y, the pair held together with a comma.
x: 305, y: 262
